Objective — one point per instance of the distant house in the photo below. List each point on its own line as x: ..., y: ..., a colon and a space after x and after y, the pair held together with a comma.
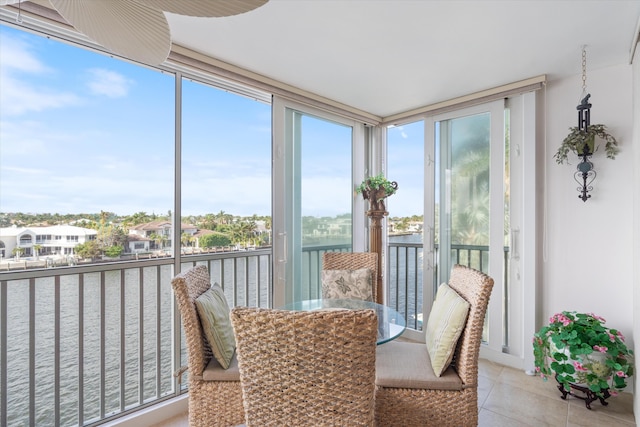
x: 162, y: 229
x: 137, y: 244
x: 53, y: 240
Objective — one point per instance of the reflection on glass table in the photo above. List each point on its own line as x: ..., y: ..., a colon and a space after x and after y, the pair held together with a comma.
x: 391, y: 324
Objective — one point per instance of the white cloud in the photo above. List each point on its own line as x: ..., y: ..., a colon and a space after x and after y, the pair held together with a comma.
x: 16, y: 55
x: 25, y: 171
x: 108, y: 83
x: 20, y: 94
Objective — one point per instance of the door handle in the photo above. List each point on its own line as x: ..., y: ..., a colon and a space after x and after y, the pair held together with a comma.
x: 283, y: 236
x: 515, y: 240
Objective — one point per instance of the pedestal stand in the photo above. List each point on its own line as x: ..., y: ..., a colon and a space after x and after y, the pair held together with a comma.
x: 588, y: 396
x: 375, y: 245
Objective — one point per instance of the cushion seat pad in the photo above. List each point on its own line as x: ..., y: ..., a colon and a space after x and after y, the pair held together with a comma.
x: 401, y: 364
x: 215, y: 372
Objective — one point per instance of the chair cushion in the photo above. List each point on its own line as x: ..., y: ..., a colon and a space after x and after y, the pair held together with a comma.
x: 347, y: 284
x: 446, y: 322
x: 213, y: 311
x: 401, y: 364
x: 215, y: 372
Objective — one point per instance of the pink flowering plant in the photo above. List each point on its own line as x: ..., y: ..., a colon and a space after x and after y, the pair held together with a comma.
x: 568, y: 348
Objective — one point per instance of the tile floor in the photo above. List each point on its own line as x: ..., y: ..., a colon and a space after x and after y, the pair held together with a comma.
x: 508, y: 397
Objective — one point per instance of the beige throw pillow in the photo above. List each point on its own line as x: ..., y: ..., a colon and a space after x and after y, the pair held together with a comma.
x: 446, y: 322
x: 347, y: 284
x: 213, y: 311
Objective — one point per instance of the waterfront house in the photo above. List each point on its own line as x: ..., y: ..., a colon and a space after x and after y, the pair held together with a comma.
x: 137, y: 244
x: 378, y: 69
x: 162, y: 230
x: 55, y: 240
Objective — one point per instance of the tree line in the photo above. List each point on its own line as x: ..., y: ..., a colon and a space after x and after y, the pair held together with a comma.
x: 113, y: 230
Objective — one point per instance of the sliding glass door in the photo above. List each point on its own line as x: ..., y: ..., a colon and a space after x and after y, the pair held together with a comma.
x: 479, y: 195
x: 313, y: 196
x: 469, y: 205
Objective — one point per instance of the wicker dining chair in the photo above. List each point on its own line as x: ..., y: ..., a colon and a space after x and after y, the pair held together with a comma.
x: 306, y: 368
x: 342, y: 261
x: 408, y: 393
x: 215, y: 397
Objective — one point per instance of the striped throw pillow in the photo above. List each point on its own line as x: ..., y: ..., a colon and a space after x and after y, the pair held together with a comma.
x: 446, y: 322
x: 213, y: 311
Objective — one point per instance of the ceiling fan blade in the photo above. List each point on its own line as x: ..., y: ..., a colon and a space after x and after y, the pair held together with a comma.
x: 125, y: 27
x: 204, y: 8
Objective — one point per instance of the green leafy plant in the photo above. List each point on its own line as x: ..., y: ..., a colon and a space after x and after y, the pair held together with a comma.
x: 377, y: 182
x: 566, y: 349
x: 577, y: 138
x: 376, y: 189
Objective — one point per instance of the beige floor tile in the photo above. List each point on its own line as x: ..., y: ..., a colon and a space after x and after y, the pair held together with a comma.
x: 526, y: 407
x: 530, y: 383
x: 580, y: 416
x: 488, y: 418
x: 484, y: 387
x: 177, y: 421
x: 620, y: 408
x: 488, y: 369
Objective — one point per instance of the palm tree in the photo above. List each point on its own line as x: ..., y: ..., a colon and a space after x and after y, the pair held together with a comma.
x: 137, y: 218
x: 210, y: 222
x: 249, y: 229
x: 222, y: 217
x: 158, y: 239
x: 36, y: 249
x: 186, y: 239
x: 17, y: 251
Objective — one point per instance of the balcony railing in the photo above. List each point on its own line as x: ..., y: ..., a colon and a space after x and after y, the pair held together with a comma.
x: 82, y: 345
x: 85, y: 344
x: 404, y: 281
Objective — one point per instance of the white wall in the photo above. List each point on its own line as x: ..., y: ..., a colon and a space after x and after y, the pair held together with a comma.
x: 589, y: 262
x: 636, y: 216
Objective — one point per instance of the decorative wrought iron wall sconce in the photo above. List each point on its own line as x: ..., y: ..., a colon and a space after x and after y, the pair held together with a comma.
x: 585, y: 173
x: 582, y: 141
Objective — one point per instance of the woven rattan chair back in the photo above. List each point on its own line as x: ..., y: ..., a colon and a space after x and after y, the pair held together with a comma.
x: 475, y: 287
x: 314, y: 368
x: 211, y: 403
x: 188, y: 286
x: 397, y: 406
x: 353, y: 261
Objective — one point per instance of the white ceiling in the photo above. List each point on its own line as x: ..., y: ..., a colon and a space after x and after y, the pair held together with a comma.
x: 390, y: 56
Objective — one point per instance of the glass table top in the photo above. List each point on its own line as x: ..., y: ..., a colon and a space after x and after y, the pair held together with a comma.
x: 391, y: 324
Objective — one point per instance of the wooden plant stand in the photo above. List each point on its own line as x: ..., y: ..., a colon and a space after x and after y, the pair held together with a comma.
x: 588, y: 396
x: 375, y: 245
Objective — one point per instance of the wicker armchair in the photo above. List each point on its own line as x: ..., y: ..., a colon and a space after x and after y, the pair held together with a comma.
x: 306, y: 368
x: 408, y: 393
x: 353, y: 261
x: 215, y: 397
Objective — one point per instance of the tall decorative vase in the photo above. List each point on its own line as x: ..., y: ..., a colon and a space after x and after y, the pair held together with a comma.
x: 375, y: 245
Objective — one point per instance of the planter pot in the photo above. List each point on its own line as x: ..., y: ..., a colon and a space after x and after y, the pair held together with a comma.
x: 592, y: 363
x: 589, y: 143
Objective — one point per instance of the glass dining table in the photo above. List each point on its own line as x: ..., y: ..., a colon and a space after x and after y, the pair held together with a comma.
x: 391, y: 324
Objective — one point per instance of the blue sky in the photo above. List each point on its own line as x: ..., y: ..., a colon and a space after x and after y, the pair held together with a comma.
x: 83, y: 132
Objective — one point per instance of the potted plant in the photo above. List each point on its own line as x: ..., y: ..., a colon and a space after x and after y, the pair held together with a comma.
x: 578, y: 350
x: 579, y: 138
x: 376, y: 189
